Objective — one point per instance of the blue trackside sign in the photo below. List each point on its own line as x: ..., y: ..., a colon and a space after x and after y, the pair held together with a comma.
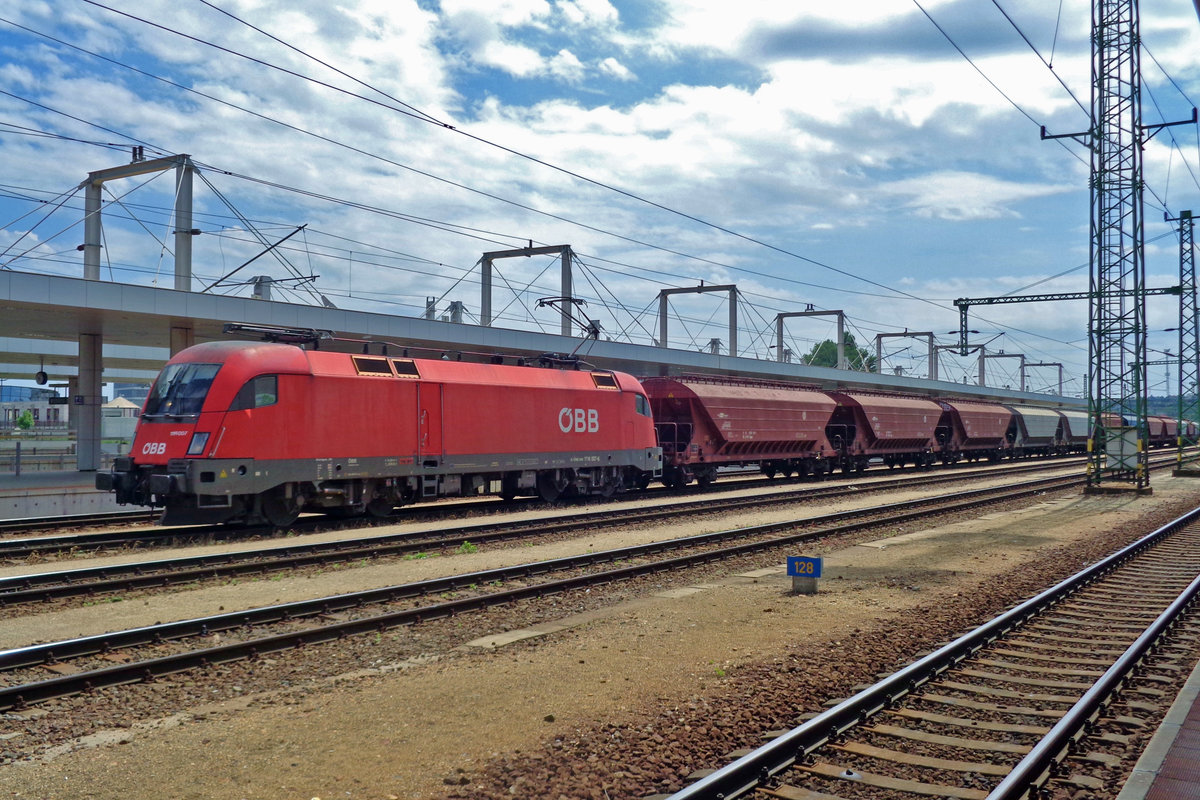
x: 803, y: 567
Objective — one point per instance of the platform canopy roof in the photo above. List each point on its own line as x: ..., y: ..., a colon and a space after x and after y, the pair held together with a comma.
x: 43, y: 316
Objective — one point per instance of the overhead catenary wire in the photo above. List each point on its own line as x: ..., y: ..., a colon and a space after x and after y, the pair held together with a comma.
x: 1061, y: 142
x: 526, y: 207
x: 426, y: 118
x: 1057, y: 77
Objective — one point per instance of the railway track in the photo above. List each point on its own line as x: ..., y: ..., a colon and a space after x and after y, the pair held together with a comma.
x: 1037, y: 699
x: 732, y: 481
x: 22, y: 548
x: 96, y: 581
x: 360, y: 612
x: 26, y: 524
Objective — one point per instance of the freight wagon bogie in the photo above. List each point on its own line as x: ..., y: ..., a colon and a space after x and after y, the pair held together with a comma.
x: 802, y: 468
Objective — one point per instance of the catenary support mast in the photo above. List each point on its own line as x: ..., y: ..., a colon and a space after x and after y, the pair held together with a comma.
x: 1119, y: 432
x: 1189, y: 336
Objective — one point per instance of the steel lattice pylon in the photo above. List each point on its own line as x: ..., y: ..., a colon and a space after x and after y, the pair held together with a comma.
x: 1117, y: 326
x: 1117, y: 292
x: 1189, y: 336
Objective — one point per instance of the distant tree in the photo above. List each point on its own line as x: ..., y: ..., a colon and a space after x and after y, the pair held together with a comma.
x: 824, y: 354
x: 25, y: 421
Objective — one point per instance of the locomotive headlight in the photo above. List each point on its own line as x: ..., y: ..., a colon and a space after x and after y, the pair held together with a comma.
x: 197, y: 444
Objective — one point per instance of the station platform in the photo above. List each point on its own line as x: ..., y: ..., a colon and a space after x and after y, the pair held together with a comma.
x: 1170, y: 767
x: 52, y: 494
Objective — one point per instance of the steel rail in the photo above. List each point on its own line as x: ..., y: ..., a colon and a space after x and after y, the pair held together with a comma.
x: 100, y: 517
x: 1038, y: 766
x: 749, y: 772
x: 86, y: 581
x: 15, y: 696
x: 23, y: 547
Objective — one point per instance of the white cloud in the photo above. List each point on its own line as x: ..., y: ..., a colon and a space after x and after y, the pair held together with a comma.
x: 515, y: 59
x: 588, y: 12
x: 502, y: 13
x: 953, y: 195
x: 492, y: 36
x: 566, y: 67
x: 615, y: 69
x: 723, y: 26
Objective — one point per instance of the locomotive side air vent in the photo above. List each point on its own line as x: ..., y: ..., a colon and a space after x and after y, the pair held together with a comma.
x: 406, y: 368
x: 604, y: 380
x: 371, y: 366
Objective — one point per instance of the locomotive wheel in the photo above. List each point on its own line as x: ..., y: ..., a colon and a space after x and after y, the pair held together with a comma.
x: 379, y: 507
x: 278, y: 510
x: 550, y: 486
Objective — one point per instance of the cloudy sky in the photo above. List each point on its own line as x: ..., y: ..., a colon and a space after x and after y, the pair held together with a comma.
x: 881, y: 158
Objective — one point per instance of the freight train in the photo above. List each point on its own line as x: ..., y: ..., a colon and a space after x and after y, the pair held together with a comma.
x: 260, y: 431
x: 705, y: 423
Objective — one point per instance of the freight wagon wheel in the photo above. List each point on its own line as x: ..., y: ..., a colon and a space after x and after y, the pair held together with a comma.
x: 676, y: 479
x: 278, y: 510
x: 643, y: 481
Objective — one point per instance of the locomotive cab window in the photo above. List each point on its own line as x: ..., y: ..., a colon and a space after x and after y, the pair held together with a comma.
x: 180, y: 390
x: 642, y: 405
x: 256, y: 393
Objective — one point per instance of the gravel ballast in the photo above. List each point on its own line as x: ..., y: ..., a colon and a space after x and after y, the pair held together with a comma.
x: 623, y: 693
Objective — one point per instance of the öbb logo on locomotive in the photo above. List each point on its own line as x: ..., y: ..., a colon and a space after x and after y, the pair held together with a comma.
x: 579, y: 420
x: 154, y: 448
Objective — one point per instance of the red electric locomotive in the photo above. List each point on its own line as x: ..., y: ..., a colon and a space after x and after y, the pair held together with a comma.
x: 250, y: 431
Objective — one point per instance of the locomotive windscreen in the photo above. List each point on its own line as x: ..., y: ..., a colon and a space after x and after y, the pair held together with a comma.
x: 180, y: 390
